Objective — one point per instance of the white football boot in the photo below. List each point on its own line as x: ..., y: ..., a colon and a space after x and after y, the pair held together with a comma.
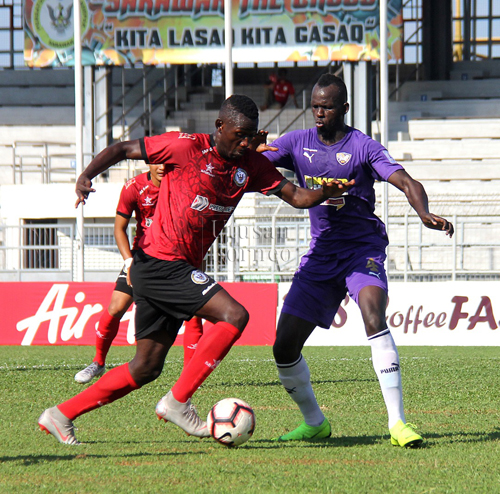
x: 181, y: 414
x: 52, y: 421
x: 86, y: 375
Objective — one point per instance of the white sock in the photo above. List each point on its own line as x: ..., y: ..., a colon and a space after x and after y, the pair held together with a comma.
x: 385, y: 361
x: 295, y: 378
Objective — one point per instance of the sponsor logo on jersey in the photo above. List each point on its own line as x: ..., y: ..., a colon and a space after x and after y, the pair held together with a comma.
x: 315, y: 183
x: 146, y: 187
x: 209, y: 168
x: 389, y: 157
x: 240, y: 177
x: 200, y: 203
x: 338, y: 202
x: 199, y: 277
x: 343, y: 158
x: 309, y: 153
x: 148, y: 201
x: 149, y: 222
x: 52, y: 22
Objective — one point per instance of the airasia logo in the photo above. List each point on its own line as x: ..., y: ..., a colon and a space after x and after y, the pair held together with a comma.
x: 65, y: 322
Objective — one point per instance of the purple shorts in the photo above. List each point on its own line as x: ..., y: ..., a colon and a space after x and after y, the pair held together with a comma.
x: 317, y: 301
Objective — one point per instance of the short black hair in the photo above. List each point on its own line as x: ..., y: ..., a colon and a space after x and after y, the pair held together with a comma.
x: 332, y: 80
x: 239, y: 104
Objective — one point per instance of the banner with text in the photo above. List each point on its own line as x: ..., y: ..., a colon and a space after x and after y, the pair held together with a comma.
x: 118, y: 32
x: 67, y: 313
x: 446, y: 313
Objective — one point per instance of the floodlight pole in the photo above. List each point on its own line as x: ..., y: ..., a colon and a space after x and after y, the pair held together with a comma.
x: 79, y: 273
x: 384, y: 110
x: 229, y: 89
x: 228, y: 44
x: 384, y: 101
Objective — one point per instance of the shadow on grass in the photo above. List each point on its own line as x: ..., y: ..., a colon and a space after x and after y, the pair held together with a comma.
x: 466, y: 437
x: 278, y: 383
x: 352, y: 441
x: 81, y: 453
x: 331, y: 442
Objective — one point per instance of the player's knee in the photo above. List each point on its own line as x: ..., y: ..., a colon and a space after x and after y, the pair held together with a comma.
x: 118, y: 309
x: 238, y: 316
x: 146, y: 372
x: 374, y: 324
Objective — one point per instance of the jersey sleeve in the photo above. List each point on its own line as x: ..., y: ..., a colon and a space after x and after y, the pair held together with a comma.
x: 128, y: 199
x: 158, y: 149
x: 283, y: 157
x: 265, y: 178
x: 382, y: 164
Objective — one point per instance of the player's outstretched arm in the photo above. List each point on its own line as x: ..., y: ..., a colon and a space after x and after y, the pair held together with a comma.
x: 104, y: 160
x: 302, y: 198
x: 417, y: 197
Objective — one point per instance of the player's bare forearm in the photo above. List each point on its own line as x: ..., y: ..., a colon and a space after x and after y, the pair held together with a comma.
x: 121, y: 237
x: 302, y: 198
x: 418, y: 200
x: 104, y: 160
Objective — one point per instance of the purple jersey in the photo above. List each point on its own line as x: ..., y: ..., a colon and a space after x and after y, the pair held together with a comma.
x: 341, y: 224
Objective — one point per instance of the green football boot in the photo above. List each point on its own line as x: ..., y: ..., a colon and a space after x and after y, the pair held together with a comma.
x: 306, y: 432
x: 403, y: 435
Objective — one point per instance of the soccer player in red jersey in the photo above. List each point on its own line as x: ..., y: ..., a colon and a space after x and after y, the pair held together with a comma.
x: 205, y: 178
x: 139, y: 196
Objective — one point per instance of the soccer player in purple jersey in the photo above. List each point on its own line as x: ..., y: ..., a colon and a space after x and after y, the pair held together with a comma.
x: 346, y: 255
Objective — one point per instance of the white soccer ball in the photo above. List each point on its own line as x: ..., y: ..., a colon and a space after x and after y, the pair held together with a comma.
x: 231, y: 422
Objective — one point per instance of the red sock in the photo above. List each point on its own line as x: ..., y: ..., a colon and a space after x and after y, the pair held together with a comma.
x: 104, y: 336
x: 113, y: 385
x: 212, y: 348
x: 193, y: 329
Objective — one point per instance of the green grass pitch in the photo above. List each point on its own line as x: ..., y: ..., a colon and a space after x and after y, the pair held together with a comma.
x: 451, y: 394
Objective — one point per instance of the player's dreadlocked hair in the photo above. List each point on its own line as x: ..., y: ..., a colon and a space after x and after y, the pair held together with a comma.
x: 332, y: 80
x: 239, y: 104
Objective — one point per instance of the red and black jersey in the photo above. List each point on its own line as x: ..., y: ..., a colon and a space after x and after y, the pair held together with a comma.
x: 139, y: 195
x: 199, y: 192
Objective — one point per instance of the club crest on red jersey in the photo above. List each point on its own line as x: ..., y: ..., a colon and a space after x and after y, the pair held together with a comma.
x: 343, y: 158
x: 240, y: 177
x: 199, y: 277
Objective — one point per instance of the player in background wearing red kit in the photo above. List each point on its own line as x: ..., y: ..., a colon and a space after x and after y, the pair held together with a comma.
x: 139, y: 196
x: 205, y: 178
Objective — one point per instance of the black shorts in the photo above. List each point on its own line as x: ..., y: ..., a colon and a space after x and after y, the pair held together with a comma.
x: 121, y: 284
x: 167, y: 293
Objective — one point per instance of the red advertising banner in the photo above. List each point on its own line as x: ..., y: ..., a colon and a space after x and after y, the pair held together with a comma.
x: 67, y: 313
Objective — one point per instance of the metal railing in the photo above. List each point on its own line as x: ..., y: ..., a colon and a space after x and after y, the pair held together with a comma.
x: 42, y: 159
x: 264, y: 247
